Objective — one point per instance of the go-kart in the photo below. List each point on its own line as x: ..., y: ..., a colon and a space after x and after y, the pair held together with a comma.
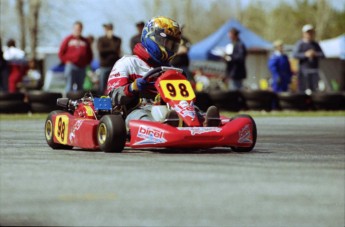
x: 94, y: 123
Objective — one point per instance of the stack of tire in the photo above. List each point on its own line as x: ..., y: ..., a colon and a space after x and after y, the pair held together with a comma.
x: 203, y: 100
x: 260, y: 100
x: 74, y: 95
x: 228, y: 100
x: 298, y: 101
x: 13, y: 103
x: 328, y: 101
x: 43, y: 102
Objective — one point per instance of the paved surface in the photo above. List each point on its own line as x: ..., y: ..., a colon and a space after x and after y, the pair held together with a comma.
x: 294, y: 177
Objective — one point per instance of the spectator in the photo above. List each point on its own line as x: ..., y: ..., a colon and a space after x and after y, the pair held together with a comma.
x: 279, y: 67
x: 87, y: 84
x: 109, y: 48
x: 202, y: 81
x: 184, y: 40
x: 181, y: 60
x: 17, y: 65
x: 3, y: 71
x: 33, y: 75
x: 75, y: 52
x: 137, y: 38
x: 308, y: 52
x: 235, y: 62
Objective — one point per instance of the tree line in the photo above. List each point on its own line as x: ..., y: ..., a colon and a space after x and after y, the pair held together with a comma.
x: 200, y: 18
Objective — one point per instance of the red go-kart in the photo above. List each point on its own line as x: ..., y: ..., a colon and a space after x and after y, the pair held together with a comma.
x: 95, y: 124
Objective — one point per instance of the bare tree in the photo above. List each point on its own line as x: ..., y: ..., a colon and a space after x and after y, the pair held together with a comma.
x: 21, y: 19
x: 322, y: 17
x: 33, y: 24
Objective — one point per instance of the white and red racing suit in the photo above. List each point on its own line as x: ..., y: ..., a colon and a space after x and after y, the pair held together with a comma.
x: 123, y: 73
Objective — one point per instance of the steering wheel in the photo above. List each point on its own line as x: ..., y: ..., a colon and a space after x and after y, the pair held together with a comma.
x: 156, y: 72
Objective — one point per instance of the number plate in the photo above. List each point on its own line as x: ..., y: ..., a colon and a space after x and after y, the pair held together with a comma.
x: 177, y: 90
x: 61, y: 128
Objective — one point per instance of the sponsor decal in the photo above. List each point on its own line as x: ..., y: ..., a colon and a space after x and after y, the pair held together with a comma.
x: 185, y: 109
x: 75, y: 128
x: 245, y: 135
x: 201, y: 130
x: 113, y: 85
x: 150, y: 136
x: 114, y: 74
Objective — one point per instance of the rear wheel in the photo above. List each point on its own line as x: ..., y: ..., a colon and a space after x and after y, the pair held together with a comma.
x: 254, y: 134
x: 111, y: 133
x: 49, y: 132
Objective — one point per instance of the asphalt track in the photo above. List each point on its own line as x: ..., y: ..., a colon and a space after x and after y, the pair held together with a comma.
x: 294, y: 177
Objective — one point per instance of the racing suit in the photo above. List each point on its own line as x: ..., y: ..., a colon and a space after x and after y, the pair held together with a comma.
x: 123, y: 73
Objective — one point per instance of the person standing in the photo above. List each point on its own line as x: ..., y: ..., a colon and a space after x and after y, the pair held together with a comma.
x: 3, y: 71
x: 308, y: 52
x: 235, y: 61
x: 279, y: 66
x: 137, y: 38
x: 109, y: 48
x: 75, y: 52
x: 17, y: 65
x: 181, y: 60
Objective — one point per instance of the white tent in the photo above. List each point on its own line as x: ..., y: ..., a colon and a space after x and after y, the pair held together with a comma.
x: 332, y: 67
x: 334, y: 48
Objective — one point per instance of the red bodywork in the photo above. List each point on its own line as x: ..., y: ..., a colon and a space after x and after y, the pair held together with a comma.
x: 237, y: 133
x: 80, y: 129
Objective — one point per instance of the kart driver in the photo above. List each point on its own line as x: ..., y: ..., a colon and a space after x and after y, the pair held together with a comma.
x: 160, y: 40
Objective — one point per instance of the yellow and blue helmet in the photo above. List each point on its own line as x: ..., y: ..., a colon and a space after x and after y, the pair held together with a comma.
x: 161, y: 37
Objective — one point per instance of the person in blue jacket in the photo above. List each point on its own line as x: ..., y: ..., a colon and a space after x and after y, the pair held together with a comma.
x: 279, y: 67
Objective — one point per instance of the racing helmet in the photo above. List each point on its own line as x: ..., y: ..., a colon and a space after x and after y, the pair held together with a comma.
x: 161, y: 37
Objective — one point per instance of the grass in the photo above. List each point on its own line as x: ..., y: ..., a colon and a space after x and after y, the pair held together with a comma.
x: 285, y: 113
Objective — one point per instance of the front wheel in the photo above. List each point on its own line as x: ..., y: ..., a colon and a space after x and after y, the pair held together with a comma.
x: 254, y: 134
x: 49, y: 132
x: 111, y: 133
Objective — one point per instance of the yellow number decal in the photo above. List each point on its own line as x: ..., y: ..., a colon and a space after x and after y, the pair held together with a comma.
x: 177, y: 89
x: 61, y: 128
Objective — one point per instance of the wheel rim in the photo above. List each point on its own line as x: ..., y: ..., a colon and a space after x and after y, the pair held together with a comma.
x: 49, y: 130
x: 102, y: 133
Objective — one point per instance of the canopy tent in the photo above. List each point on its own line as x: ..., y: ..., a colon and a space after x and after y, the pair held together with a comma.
x: 332, y: 67
x: 205, y: 49
x: 334, y: 48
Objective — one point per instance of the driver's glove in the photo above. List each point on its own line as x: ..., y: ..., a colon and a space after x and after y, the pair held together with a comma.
x: 139, y: 84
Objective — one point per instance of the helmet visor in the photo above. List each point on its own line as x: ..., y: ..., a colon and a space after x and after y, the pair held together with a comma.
x: 168, y: 43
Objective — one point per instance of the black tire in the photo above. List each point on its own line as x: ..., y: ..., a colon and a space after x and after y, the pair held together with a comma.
x: 246, y: 149
x: 49, y: 132
x: 37, y: 107
x: 11, y: 96
x: 230, y: 100
x: 14, y: 107
x: 203, y: 100
x: 288, y: 101
x: 328, y: 101
x: 75, y: 95
x: 43, y: 97
x: 111, y: 133
x: 259, y: 100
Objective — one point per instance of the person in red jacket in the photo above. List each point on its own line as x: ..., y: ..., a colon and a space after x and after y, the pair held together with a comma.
x: 75, y: 52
